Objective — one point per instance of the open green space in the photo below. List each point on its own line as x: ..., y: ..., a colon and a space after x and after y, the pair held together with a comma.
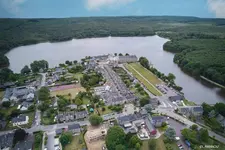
x: 77, y: 143
x: 150, y: 87
x: 160, y: 145
x: 146, y: 73
x: 38, y: 138
x: 106, y: 111
x: 1, y: 95
x: 189, y: 103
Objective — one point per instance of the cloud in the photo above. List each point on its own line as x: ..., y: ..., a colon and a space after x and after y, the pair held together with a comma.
x: 12, y: 6
x: 217, y: 7
x: 97, y: 4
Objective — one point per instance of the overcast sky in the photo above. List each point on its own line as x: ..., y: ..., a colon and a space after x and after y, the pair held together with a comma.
x: 80, y: 8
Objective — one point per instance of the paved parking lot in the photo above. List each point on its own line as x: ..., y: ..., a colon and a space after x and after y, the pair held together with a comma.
x: 51, y: 140
x: 178, y: 127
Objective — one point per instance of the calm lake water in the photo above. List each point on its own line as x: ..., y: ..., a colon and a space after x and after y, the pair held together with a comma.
x: 150, y: 47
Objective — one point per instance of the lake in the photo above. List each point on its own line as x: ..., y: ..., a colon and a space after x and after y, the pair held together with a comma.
x: 150, y: 47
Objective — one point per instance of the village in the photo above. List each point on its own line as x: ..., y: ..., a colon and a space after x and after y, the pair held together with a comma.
x: 76, y: 105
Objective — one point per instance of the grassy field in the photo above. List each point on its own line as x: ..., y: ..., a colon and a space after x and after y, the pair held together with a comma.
x: 146, y: 73
x: 107, y: 110
x: 160, y: 145
x: 150, y: 87
x: 1, y: 95
x: 189, y: 103
x: 77, y: 143
x: 37, y: 135
x: 73, y: 92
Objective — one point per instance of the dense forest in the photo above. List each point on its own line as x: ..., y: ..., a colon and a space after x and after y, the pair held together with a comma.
x: 198, y: 42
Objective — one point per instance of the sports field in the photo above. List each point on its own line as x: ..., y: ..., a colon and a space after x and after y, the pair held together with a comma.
x: 146, y: 73
x: 139, y: 72
x: 72, y: 89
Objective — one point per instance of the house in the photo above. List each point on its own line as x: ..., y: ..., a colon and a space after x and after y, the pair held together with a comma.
x: 2, y: 124
x: 6, y: 141
x: 59, y: 131
x: 158, y: 120
x: 20, y: 120
x: 81, y: 114
x: 212, y: 114
x: 197, y: 111
x: 27, y: 144
x: 74, y: 128
x: 127, y: 59
x: 72, y: 106
x: 191, y: 110
x: 150, y: 127
x: 30, y: 97
x: 177, y: 98
x: 25, y: 105
x: 221, y: 120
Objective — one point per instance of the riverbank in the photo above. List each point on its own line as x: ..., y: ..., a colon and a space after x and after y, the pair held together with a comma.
x: 212, y: 82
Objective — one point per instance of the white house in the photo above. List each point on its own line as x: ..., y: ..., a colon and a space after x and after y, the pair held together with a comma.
x: 20, y: 120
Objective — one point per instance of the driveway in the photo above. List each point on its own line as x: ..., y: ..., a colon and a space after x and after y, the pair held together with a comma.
x: 51, y: 140
x: 178, y: 127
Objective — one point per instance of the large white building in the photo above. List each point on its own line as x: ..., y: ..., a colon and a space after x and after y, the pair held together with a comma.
x: 20, y: 120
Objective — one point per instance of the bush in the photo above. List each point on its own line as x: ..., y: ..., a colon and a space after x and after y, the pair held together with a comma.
x: 6, y: 104
x: 95, y: 120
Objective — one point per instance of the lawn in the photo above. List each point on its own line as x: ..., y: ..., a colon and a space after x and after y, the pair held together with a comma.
x: 138, y: 94
x: 77, y: 143
x: 38, y: 140
x: 86, y: 101
x: 107, y: 110
x: 72, y: 91
x: 146, y: 73
x: 150, y: 87
x: 189, y: 103
x: 45, y: 120
x: 1, y: 95
x: 159, y: 144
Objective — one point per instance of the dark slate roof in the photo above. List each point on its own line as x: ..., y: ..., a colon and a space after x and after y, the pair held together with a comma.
x: 198, y: 109
x: 19, y: 118
x: 73, y: 126
x: 2, y: 124
x: 175, y: 98
x: 127, y: 118
x: 158, y: 118
x: 81, y: 114
x: 6, y: 140
x: 58, y: 131
x: 27, y: 144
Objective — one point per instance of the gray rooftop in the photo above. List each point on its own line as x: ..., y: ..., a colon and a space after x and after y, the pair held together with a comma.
x: 19, y: 118
x: 27, y: 144
x: 73, y: 126
x: 6, y: 140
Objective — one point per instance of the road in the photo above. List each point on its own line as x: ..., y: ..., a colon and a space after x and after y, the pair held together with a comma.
x: 51, y: 140
x: 171, y: 114
x: 49, y: 128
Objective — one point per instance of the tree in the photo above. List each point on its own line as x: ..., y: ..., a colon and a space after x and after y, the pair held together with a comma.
x: 19, y: 135
x: 171, y: 77
x: 137, y: 85
x: 194, y: 127
x: 37, y: 65
x: 137, y: 146
x: 5, y: 75
x: 66, y: 138
x: 144, y: 101
x: 115, y: 136
x: 115, y: 54
x: 95, y: 120
x: 4, y: 61
x: 170, y: 133
x: 148, y: 108
x: 78, y: 101
x: 75, y: 62
x: 204, y: 135
x: 126, y: 54
x: 164, y: 124
x: 152, y: 144
x: 103, y: 108
x: 144, y: 62
x: 120, y: 147
x: 25, y: 70
x: 120, y: 54
x: 220, y: 108
x: 43, y: 93
x: 6, y: 104
x: 133, y: 141
x: 68, y: 62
